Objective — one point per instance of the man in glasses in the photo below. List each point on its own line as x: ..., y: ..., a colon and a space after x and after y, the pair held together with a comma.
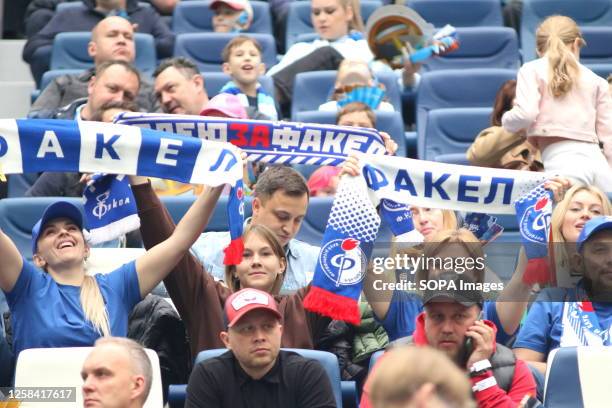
x: 504, y: 150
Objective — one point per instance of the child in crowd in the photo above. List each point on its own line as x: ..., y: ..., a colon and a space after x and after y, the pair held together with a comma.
x: 323, y: 182
x: 231, y: 15
x: 564, y: 108
x: 242, y: 62
x: 354, y: 74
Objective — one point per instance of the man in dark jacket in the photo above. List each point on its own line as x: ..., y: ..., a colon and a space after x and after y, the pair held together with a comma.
x: 37, y: 50
x: 112, y: 39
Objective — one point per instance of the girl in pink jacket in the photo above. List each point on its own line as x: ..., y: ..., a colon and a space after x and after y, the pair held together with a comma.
x: 564, y: 108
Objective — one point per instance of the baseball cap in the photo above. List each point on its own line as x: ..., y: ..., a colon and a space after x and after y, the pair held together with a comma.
x: 227, y: 104
x: 459, y: 291
x: 593, y: 226
x: 59, y: 209
x: 246, y: 300
x: 237, y: 5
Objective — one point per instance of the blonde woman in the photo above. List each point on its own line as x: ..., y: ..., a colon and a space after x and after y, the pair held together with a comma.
x: 564, y: 108
x: 580, y: 204
x: 55, y: 303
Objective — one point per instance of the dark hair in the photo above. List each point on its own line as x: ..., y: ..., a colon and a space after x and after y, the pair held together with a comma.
x: 503, y: 101
x: 282, y: 178
x: 237, y: 42
x: 125, y: 105
x: 357, y: 107
x: 184, y: 65
x: 126, y: 65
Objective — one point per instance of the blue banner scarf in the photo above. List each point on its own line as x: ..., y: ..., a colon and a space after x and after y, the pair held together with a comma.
x: 580, y: 324
x: 32, y: 146
x: 338, y: 278
x: 266, y: 141
x: 533, y: 212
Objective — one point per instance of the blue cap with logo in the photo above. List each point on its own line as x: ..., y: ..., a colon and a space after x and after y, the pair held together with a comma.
x: 591, y: 227
x: 59, y: 209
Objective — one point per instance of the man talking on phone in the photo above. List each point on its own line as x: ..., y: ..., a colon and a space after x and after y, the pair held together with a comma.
x: 452, y: 324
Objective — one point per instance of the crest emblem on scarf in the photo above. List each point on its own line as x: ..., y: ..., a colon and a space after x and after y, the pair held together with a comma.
x: 343, y: 261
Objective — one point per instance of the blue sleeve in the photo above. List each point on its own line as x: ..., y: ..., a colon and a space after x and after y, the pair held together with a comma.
x: 400, y: 320
x: 124, y: 281
x: 24, y: 286
x: 490, y: 313
x: 535, y: 333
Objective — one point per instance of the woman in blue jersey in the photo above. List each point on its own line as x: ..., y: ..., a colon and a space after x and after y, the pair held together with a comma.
x: 55, y: 303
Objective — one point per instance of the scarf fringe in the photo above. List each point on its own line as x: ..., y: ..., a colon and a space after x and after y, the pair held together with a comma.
x: 114, y: 229
x: 537, y: 271
x: 336, y: 306
x: 233, y: 252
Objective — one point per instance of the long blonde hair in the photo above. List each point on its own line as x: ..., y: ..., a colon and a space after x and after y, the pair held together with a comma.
x: 356, y: 23
x: 554, y: 37
x: 561, y: 258
x: 263, y: 232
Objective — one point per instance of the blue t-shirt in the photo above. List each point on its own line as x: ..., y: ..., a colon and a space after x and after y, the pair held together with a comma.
x: 405, y: 307
x: 542, y: 329
x: 45, y: 313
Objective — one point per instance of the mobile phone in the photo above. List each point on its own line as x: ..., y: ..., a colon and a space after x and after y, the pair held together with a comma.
x: 467, y: 348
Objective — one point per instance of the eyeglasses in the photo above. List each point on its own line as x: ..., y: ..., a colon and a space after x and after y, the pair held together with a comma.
x: 526, y: 161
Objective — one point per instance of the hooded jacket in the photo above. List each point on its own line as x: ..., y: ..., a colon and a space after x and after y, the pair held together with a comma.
x: 494, y: 397
x: 85, y: 19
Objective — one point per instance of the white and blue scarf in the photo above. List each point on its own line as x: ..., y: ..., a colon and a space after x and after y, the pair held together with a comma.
x: 265, y: 103
x: 580, y: 324
x: 32, y: 146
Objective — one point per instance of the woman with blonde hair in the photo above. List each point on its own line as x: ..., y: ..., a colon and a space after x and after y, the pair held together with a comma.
x: 55, y: 303
x: 564, y: 108
x: 580, y: 204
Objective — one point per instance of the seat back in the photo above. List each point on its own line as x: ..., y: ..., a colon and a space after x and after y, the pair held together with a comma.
x: 205, y: 48
x: 599, y: 45
x: 299, y: 22
x: 61, y: 367
x: 196, y: 17
x: 312, y: 89
x: 459, y: 13
x: 584, y: 12
x: 329, y: 362
x: 480, y: 47
x: 178, y: 205
x: 451, y: 130
x: 214, y: 81
x: 602, y: 70
x: 390, y: 122
x: 562, y: 387
x: 70, y: 52
x: 454, y: 88
x: 18, y: 184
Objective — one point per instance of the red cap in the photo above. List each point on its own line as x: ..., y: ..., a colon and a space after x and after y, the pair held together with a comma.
x: 246, y: 300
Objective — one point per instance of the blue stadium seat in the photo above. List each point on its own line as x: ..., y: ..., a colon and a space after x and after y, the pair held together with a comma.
x: 459, y: 13
x: 315, y: 87
x: 214, y: 81
x: 328, y: 360
x: 584, y: 12
x: 196, y: 17
x: 50, y: 76
x: 205, y: 48
x: 390, y: 122
x: 599, y: 45
x: 178, y: 205
x: 466, y: 88
x: 78, y: 4
x: 70, y: 52
x: 315, y: 221
x: 18, y: 184
x: 562, y: 388
x: 502, y: 253
x: 480, y: 47
x: 451, y: 130
x: 299, y: 22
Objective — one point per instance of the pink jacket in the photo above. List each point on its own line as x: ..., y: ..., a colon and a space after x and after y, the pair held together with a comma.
x: 583, y: 114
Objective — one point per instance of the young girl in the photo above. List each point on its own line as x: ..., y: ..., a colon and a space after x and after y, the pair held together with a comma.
x: 564, y: 108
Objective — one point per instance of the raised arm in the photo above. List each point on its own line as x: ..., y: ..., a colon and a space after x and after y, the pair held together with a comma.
x: 11, y: 264
x: 158, y: 261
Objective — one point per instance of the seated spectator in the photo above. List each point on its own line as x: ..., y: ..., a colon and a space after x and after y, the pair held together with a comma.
x: 352, y: 75
x: 425, y: 378
x: 498, y: 148
x: 242, y: 62
x: 85, y: 19
x: 55, y: 303
x: 117, y: 373
x: 451, y: 317
x: 356, y: 114
x: 254, y: 371
x: 112, y: 39
x: 179, y: 87
x: 52, y: 184
x: 323, y: 182
x: 231, y: 15
x: 579, y: 316
x: 580, y: 204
